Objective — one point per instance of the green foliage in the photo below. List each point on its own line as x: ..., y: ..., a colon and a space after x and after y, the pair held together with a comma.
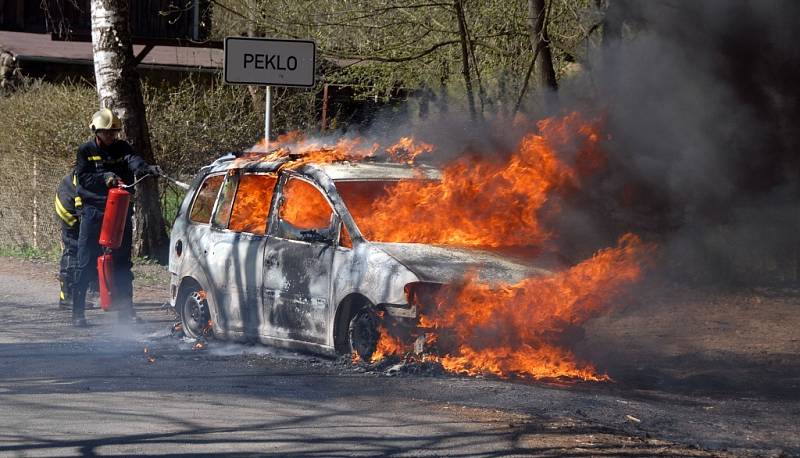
x: 379, y: 46
x: 192, y: 124
x: 171, y: 199
x: 44, y: 123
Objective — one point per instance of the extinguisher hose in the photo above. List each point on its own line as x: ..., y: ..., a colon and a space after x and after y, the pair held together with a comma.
x: 177, y: 183
x: 128, y: 186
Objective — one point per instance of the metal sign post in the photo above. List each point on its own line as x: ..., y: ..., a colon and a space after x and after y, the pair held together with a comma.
x: 267, y: 115
x: 269, y: 62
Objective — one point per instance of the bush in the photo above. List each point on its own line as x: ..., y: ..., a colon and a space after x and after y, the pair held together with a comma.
x: 43, y: 125
x: 190, y: 125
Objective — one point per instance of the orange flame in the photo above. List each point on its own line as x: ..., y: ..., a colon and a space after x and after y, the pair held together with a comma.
x: 305, y: 207
x: 407, y: 149
x: 519, y: 329
x: 387, y: 345
x: 481, y: 201
x: 252, y: 202
x: 304, y: 151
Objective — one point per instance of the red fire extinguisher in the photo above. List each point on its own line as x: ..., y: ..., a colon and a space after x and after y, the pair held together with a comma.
x: 111, y: 233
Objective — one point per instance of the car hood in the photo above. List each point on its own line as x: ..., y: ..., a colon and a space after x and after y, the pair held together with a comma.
x: 448, y: 264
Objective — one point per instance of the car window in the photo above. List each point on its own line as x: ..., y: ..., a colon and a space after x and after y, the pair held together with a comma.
x: 361, y: 199
x: 223, y: 211
x: 303, y: 208
x: 251, y: 206
x: 205, y: 198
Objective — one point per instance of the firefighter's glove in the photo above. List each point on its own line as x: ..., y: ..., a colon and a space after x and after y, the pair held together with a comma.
x: 110, y: 179
x: 155, y: 170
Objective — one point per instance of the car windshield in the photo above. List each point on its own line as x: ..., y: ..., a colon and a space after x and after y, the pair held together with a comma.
x: 376, y: 204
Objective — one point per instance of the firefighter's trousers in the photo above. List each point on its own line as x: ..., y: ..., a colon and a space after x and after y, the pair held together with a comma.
x: 69, y: 263
x: 89, y: 249
x: 69, y: 260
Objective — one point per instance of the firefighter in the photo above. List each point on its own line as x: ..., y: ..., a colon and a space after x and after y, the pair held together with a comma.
x: 67, y: 204
x: 102, y: 163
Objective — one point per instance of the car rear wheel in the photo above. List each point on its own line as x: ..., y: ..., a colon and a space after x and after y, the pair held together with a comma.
x: 363, y: 333
x: 195, y: 315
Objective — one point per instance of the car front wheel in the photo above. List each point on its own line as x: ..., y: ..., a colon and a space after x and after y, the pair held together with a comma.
x: 195, y: 315
x: 363, y: 333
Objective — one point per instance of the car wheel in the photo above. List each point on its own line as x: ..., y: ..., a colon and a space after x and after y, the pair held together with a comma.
x: 195, y: 315
x: 363, y: 333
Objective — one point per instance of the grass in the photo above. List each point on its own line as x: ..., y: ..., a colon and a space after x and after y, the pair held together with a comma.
x: 28, y: 252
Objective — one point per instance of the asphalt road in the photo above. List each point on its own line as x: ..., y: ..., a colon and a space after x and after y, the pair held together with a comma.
x: 66, y: 391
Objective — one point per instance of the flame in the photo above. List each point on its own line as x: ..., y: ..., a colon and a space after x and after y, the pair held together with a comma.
x: 519, y: 329
x: 252, y: 202
x: 208, y: 329
x: 150, y: 358
x: 481, y: 201
x: 305, y: 207
x: 522, y: 329
x: 407, y: 149
x: 387, y: 345
x: 295, y: 150
x: 544, y: 362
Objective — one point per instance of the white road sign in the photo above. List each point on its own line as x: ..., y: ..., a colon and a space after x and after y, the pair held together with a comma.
x: 269, y: 62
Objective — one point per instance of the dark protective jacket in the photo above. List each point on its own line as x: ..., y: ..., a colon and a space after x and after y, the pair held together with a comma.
x: 67, y: 199
x: 93, y: 163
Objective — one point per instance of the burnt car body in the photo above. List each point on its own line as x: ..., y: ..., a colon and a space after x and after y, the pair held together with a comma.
x: 314, y: 286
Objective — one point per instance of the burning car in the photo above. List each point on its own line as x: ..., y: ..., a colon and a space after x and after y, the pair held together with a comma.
x: 280, y: 249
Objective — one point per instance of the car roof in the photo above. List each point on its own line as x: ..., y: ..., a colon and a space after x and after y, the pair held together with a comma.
x: 357, y: 171
x: 337, y: 171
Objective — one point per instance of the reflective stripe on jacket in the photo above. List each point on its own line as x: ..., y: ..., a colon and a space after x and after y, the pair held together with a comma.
x: 67, y: 200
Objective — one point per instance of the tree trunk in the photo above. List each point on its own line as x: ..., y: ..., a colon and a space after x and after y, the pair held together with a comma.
x: 462, y: 31
x: 258, y: 95
x: 119, y: 88
x: 537, y: 23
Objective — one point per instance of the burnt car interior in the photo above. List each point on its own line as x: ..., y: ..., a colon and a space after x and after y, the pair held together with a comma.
x: 304, y: 213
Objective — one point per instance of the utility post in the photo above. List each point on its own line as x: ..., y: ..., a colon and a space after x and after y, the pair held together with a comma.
x: 269, y: 62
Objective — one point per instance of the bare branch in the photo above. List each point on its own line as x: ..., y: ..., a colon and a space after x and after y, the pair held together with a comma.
x: 392, y: 59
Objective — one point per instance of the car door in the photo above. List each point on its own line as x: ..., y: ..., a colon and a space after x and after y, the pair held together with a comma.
x: 248, y: 224
x: 298, y: 258
x: 238, y: 237
x: 220, y: 257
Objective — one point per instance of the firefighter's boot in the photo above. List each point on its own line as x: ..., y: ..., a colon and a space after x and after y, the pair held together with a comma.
x: 65, y: 296
x: 78, y: 308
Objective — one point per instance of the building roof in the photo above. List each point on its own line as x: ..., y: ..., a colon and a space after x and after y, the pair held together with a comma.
x: 40, y: 47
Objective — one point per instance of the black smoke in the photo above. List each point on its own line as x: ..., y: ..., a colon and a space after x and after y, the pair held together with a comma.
x: 702, y: 102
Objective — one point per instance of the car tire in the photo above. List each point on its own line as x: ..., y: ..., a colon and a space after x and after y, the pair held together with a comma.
x: 195, y: 315
x: 363, y: 333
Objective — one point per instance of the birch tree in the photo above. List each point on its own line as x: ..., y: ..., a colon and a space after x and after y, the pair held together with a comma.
x: 119, y: 89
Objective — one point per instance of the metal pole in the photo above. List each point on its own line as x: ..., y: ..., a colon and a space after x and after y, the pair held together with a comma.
x: 267, y: 115
x: 324, y: 107
x: 196, y: 21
